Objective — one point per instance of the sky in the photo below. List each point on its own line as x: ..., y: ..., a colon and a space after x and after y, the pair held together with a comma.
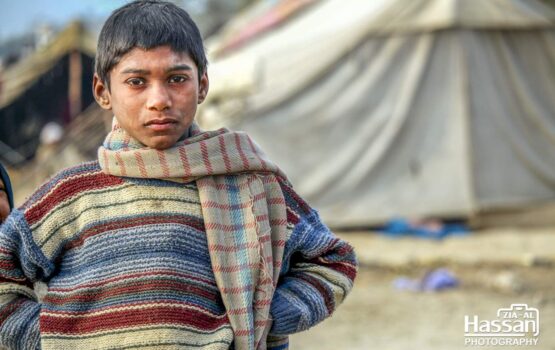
x: 19, y: 16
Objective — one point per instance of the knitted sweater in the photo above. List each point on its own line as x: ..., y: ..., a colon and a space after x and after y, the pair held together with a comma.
x: 127, y: 267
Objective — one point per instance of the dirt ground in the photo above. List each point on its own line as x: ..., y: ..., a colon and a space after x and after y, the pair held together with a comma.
x: 377, y: 316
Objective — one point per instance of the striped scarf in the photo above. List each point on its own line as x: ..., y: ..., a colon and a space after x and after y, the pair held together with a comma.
x: 244, y: 214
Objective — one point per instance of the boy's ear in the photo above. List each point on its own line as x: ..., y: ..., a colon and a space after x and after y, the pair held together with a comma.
x: 101, y: 93
x: 203, y: 88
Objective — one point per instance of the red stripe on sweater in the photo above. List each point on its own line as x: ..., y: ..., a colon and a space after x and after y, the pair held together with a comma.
x: 288, y: 191
x: 137, y: 287
x: 68, y: 189
x: 292, y: 217
x: 133, y: 305
x: 347, y: 269
x: 127, y: 222
x: 326, y: 294
x: 8, y: 265
x: 105, y: 282
x: 21, y: 281
x: 126, y: 319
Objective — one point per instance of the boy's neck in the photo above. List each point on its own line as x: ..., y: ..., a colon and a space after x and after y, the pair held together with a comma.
x: 186, y: 135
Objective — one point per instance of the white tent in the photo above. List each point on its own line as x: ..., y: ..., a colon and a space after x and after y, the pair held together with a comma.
x: 417, y: 108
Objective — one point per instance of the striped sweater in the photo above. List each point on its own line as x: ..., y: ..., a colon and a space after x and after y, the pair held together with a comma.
x: 127, y: 267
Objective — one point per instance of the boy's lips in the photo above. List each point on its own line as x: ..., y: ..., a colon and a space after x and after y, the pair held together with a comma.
x: 161, y: 124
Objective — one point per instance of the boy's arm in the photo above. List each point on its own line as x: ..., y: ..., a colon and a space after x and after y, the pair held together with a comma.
x: 318, y: 271
x: 21, y: 264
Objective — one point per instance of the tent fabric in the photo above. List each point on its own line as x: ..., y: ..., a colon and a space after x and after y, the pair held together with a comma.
x: 421, y: 123
x: 275, y: 16
x: 430, y: 15
x: 274, y: 68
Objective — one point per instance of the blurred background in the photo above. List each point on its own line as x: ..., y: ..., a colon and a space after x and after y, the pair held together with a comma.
x: 422, y: 130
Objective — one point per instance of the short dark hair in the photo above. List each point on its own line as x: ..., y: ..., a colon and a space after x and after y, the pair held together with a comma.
x: 147, y: 24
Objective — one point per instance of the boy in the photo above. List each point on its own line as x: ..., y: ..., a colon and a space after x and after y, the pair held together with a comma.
x: 175, y: 238
x: 6, y: 195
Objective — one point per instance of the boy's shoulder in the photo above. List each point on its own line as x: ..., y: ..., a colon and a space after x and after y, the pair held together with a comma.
x: 297, y: 207
x: 69, y: 182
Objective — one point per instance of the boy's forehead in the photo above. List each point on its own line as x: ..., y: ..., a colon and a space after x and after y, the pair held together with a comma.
x: 139, y: 56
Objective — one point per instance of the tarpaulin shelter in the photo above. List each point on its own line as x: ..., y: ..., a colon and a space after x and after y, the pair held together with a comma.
x: 51, y: 84
x: 416, y: 108
x: 80, y: 143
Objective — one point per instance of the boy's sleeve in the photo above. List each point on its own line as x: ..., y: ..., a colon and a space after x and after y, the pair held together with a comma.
x: 317, y: 273
x: 21, y: 264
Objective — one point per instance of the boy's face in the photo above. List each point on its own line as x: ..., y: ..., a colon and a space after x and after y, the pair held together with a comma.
x: 4, y: 203
x: 154, y: 94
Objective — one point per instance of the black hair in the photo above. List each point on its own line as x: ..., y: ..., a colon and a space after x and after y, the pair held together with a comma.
x: 147, y: 24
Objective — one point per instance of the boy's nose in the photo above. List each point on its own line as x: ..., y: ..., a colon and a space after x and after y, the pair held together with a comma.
x: 159, y: 98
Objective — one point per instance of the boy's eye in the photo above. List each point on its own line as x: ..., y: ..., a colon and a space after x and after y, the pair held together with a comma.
x: 177, y: 79
x: 135, y: 81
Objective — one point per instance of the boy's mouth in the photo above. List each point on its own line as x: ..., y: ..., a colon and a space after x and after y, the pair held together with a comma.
x: 161, y: 124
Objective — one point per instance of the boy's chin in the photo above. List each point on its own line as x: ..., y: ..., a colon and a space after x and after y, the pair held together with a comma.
x: 160, y: 143
x: 162, y: 146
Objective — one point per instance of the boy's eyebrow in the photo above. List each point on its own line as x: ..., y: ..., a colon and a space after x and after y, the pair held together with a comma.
x: 135, y: 71
x: 179, y: 67
x: 147, y: 72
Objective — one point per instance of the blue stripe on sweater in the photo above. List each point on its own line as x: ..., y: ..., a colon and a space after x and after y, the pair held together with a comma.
x: 34, y: 263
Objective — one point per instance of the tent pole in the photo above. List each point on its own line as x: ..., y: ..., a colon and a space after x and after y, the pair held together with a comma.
x: 75, y: 80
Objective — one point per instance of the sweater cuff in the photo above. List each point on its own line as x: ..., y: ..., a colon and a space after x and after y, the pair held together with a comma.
x: 286, y: 318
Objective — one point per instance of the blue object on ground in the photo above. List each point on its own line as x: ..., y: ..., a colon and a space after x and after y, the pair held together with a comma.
x: 439, y: 279
x: 435, y: 280
x: 405, y: 283
x: 403, y: 227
